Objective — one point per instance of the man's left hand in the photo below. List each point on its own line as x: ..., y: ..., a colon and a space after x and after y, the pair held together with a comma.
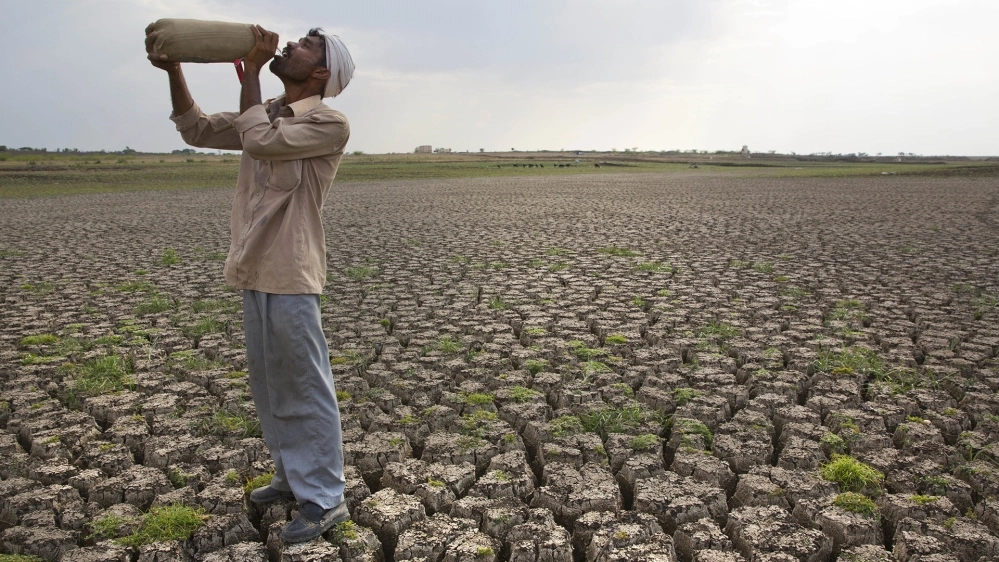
x: 263, y: 50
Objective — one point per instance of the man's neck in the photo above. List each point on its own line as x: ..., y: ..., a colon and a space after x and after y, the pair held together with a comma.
x: 296, y: 91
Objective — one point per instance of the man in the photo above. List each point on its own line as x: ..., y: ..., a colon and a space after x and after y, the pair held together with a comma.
x: 291, y: 149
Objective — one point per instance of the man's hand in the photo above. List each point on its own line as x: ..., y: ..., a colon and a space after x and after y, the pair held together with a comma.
x: 263, y: 50
x: 158, y: 60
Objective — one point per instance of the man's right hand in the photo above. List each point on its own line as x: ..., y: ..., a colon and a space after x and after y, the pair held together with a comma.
x: 158, y: 60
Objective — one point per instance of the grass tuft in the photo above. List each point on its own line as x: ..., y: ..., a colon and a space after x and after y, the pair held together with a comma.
x: 41, y: 339
x: 223, y: 423
x: 169, y: 257
x: 856, y: 503
x: 110, y: 373
x: 154, y: 304
x: 851, y: 474
x: 258, y: 482
x: 611, y: 419
x: 618, y: 252
x: 172, y: 522
x: 523, y: 394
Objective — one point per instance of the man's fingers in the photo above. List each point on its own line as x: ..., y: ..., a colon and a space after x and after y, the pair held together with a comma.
x: 149, y: 28
x: 150, y: 39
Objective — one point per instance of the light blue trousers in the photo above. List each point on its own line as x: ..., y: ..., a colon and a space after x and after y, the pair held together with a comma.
x: 292, y: 386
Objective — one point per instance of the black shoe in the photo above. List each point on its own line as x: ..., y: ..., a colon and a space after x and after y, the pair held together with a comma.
x: 312, y: 522
x: 267, y: 494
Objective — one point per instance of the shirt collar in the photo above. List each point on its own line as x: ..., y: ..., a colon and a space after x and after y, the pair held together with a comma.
x: 300, y: 107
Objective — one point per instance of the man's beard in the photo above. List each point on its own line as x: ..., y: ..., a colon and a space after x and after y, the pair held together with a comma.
x: 275, y: 65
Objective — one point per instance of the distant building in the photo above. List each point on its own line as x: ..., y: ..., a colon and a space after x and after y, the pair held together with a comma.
x: 745, y: 150
x: 424, y: 148
x: 442, y: 150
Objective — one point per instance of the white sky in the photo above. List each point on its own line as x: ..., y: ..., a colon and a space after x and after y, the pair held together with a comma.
x: 789, y: 75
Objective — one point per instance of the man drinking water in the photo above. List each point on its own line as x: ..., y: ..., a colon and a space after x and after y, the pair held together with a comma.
x: 292, y: 147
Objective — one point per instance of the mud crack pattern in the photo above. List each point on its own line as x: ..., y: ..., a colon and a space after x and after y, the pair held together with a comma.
x: 619, y: 367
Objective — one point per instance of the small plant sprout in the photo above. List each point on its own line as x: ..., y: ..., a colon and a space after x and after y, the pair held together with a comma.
x: 169, y: 257
x: 258, y: 482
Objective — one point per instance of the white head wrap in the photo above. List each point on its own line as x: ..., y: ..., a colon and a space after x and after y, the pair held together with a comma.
x: 340, y: 65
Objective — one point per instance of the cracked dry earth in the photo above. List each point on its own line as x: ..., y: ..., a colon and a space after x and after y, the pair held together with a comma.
x: 600, y: 368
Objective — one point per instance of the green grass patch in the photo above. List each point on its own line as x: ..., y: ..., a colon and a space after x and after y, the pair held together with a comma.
x: 792, y: 292
x: 590, y: 368
x: 258, y: 482
x: 169, y: 257
x: 203, y: 327
x: 223, y: 423
x: 682, y: 396
x: 719, y: 330
x: 616, y: 339
x: 478, y: 399
x: 41, y: 339
x: 496, y: 303
x: 135, y: 287
x: 154, y: 304
x: 587, y: 353
x: 215, y: 305
x: 644, y: 442
x: 923, y: 500
x: 192, y: 360
x: 565, y: 426
x: 39, y: 288
x: 523, y: 394
x: 687, y: 426
x: 360, y: 272
x: 652, y: 267
x: 447, y: 345
x: 343, y: 532
x: 851, y: 474
x: 101, y: 375
x: 167, y: 523
x: 111, y: 339
x: 535, y: 366
x: 106, y: 527
x: 619, y: 252
x: 612, y: 419
x: 857, y: 503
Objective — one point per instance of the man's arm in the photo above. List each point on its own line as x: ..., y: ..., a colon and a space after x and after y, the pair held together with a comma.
x: 179, y: 94
x: 196, y: 128
x: 253, y: 62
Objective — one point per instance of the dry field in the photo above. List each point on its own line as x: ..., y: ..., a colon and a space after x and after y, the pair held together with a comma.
x: 606, y: 367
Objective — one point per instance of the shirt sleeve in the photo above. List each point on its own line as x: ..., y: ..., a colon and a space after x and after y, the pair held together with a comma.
x: 291, y: 138
x: 208, y: 131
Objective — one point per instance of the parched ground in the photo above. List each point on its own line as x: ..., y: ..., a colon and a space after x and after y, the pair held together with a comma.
x: 650, y: 366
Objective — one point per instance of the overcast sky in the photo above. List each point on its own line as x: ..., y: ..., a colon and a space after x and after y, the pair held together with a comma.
x: 788, y: 75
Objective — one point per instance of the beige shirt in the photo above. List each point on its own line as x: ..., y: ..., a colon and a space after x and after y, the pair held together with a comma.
x: 290, y: 156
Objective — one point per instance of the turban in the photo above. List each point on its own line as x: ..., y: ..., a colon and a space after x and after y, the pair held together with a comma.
x: 340, y: 65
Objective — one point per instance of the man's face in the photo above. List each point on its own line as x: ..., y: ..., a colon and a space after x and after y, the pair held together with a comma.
x: 299, y: 58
